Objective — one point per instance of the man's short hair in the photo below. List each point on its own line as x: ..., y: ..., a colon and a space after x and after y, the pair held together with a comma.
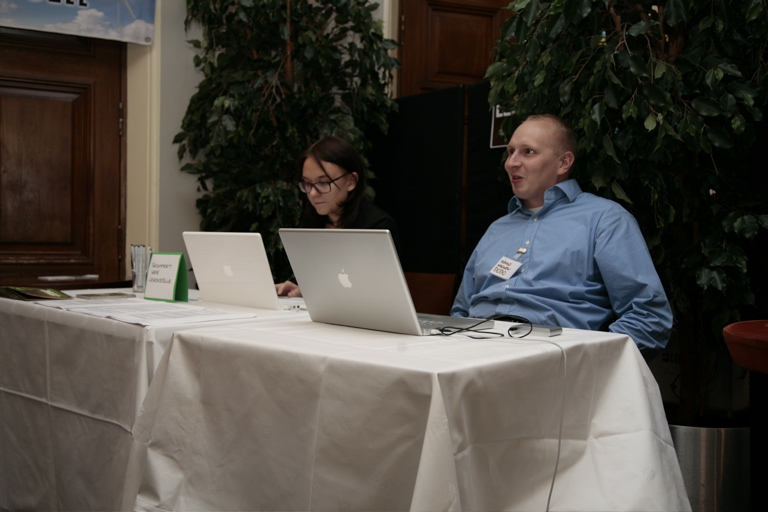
x: 566, y: 137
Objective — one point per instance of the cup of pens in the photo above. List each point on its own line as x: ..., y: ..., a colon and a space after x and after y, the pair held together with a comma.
x: 140, y: 256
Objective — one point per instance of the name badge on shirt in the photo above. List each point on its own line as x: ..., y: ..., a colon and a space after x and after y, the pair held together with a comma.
x: 505, y: 268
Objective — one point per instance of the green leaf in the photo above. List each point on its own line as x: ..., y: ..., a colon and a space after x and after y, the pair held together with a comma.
x: 719, y: 137
x: 746, y: 225
x: 584, y: 7
x: 719, y: 257
x: 675, y: 11
x: 719, y: 25
x: 728, y: 103
x: 546, y: 57
x: 519, y: 5
x: 730, y: 68
x: 619, y: 192
x: 655, y: 95
x: 744, y: 90
x: 713, y: 77
x: 228, y: 122
x: 670, y: 130
x: 557, y: 8
x: 738, y: 124
x: 599, y: 180
x: 706, y: 106
x: 608, y: 147
x: 650, y: 122
x: 638, y: 66
x: 641, y: 27
x: 531, y: 12
x: 598, y: 112
x: 704, y: 144
x: 533, y: 50
x: 610, y: 97
x: 496, y: 69
x: 612, y: 77
x: 565, y: 90
x: 754, y: 11
x: 661, y: 68
x: 707, y: 277
x: 557, y: 27
x: 629, y: 110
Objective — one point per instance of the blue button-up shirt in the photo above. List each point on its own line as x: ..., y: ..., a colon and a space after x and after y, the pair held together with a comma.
x: 585, y: 265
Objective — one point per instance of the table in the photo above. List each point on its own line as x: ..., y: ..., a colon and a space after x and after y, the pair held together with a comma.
x: 70, y: 389
x: 287, y: 414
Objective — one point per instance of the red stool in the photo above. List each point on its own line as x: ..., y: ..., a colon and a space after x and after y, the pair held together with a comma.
x: 748, y: 344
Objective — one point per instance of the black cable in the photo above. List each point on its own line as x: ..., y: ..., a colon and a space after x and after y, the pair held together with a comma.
x: 517, y: 319
x: 450, y: 331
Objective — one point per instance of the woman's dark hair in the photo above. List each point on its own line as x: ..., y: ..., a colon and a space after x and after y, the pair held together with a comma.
x: 340, y: 152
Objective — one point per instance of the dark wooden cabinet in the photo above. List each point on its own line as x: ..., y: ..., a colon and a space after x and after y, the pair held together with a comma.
x: 61, y: 156
x: 447, y: 42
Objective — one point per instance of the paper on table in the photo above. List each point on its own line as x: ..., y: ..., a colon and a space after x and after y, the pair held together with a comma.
x: 83, y: 303
x: 141, y: 312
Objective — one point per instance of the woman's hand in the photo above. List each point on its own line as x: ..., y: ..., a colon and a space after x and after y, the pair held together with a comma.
x: 288, y: 289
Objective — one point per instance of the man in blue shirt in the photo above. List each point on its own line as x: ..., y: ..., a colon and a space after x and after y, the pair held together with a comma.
x: 562, y: 256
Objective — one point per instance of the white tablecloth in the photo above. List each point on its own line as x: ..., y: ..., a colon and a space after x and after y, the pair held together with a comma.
x: 288, y: 414
x: 70, y: 388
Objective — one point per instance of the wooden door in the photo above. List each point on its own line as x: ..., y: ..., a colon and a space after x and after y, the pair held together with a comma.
x: 447, y: 42
x: 61, y: 157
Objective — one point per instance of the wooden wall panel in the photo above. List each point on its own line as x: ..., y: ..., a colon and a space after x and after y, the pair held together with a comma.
x: 447, y: 42
x: 37, y: 160
x: 62, y: 169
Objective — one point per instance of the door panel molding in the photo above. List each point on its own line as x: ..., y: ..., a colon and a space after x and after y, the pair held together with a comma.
x: 62, y: 169
x: 447, y: 43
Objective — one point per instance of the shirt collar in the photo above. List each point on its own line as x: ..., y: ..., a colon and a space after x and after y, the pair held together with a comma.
x: 568, y: 189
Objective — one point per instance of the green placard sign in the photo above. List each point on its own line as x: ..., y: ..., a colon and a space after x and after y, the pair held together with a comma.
x: 167, y: 277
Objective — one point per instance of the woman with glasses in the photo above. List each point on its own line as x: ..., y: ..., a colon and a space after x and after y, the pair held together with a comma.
x: 333, y: 178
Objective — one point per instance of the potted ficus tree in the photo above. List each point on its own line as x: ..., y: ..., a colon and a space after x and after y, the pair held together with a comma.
x: 667, y: 99
x: 278, y: 75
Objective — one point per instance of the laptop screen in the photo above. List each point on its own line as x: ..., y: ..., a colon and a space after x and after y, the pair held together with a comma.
x: 231, y: 268
x: 351, y: 277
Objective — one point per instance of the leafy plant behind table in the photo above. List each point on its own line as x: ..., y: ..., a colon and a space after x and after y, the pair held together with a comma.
x: 278, y: 75
x: 667, y: 100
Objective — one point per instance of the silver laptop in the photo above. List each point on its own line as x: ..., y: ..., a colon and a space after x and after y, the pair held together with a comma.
x: 353, y: 277
x: 232, y: 268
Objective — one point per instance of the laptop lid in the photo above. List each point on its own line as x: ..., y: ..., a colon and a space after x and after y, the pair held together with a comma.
x: 353, y: 277
x: 232, y: 268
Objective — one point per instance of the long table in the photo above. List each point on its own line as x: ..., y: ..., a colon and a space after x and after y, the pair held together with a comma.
x: 287, y: 414
x: 71, y: 386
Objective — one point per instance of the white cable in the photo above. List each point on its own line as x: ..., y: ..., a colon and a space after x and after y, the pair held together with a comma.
x: 564, y: 362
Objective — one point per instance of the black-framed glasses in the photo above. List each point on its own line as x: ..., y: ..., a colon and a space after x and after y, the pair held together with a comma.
x: 322, y: 187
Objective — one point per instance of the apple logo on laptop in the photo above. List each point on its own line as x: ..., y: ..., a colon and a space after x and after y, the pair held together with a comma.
x: 228, y: 271
x: 344, y: 279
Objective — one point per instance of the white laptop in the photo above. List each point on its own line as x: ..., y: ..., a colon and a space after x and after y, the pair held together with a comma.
x: 232, y: 268
x: 353, y: 277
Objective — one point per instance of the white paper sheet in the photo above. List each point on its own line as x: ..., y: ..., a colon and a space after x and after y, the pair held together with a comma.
x: 147, y: 313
